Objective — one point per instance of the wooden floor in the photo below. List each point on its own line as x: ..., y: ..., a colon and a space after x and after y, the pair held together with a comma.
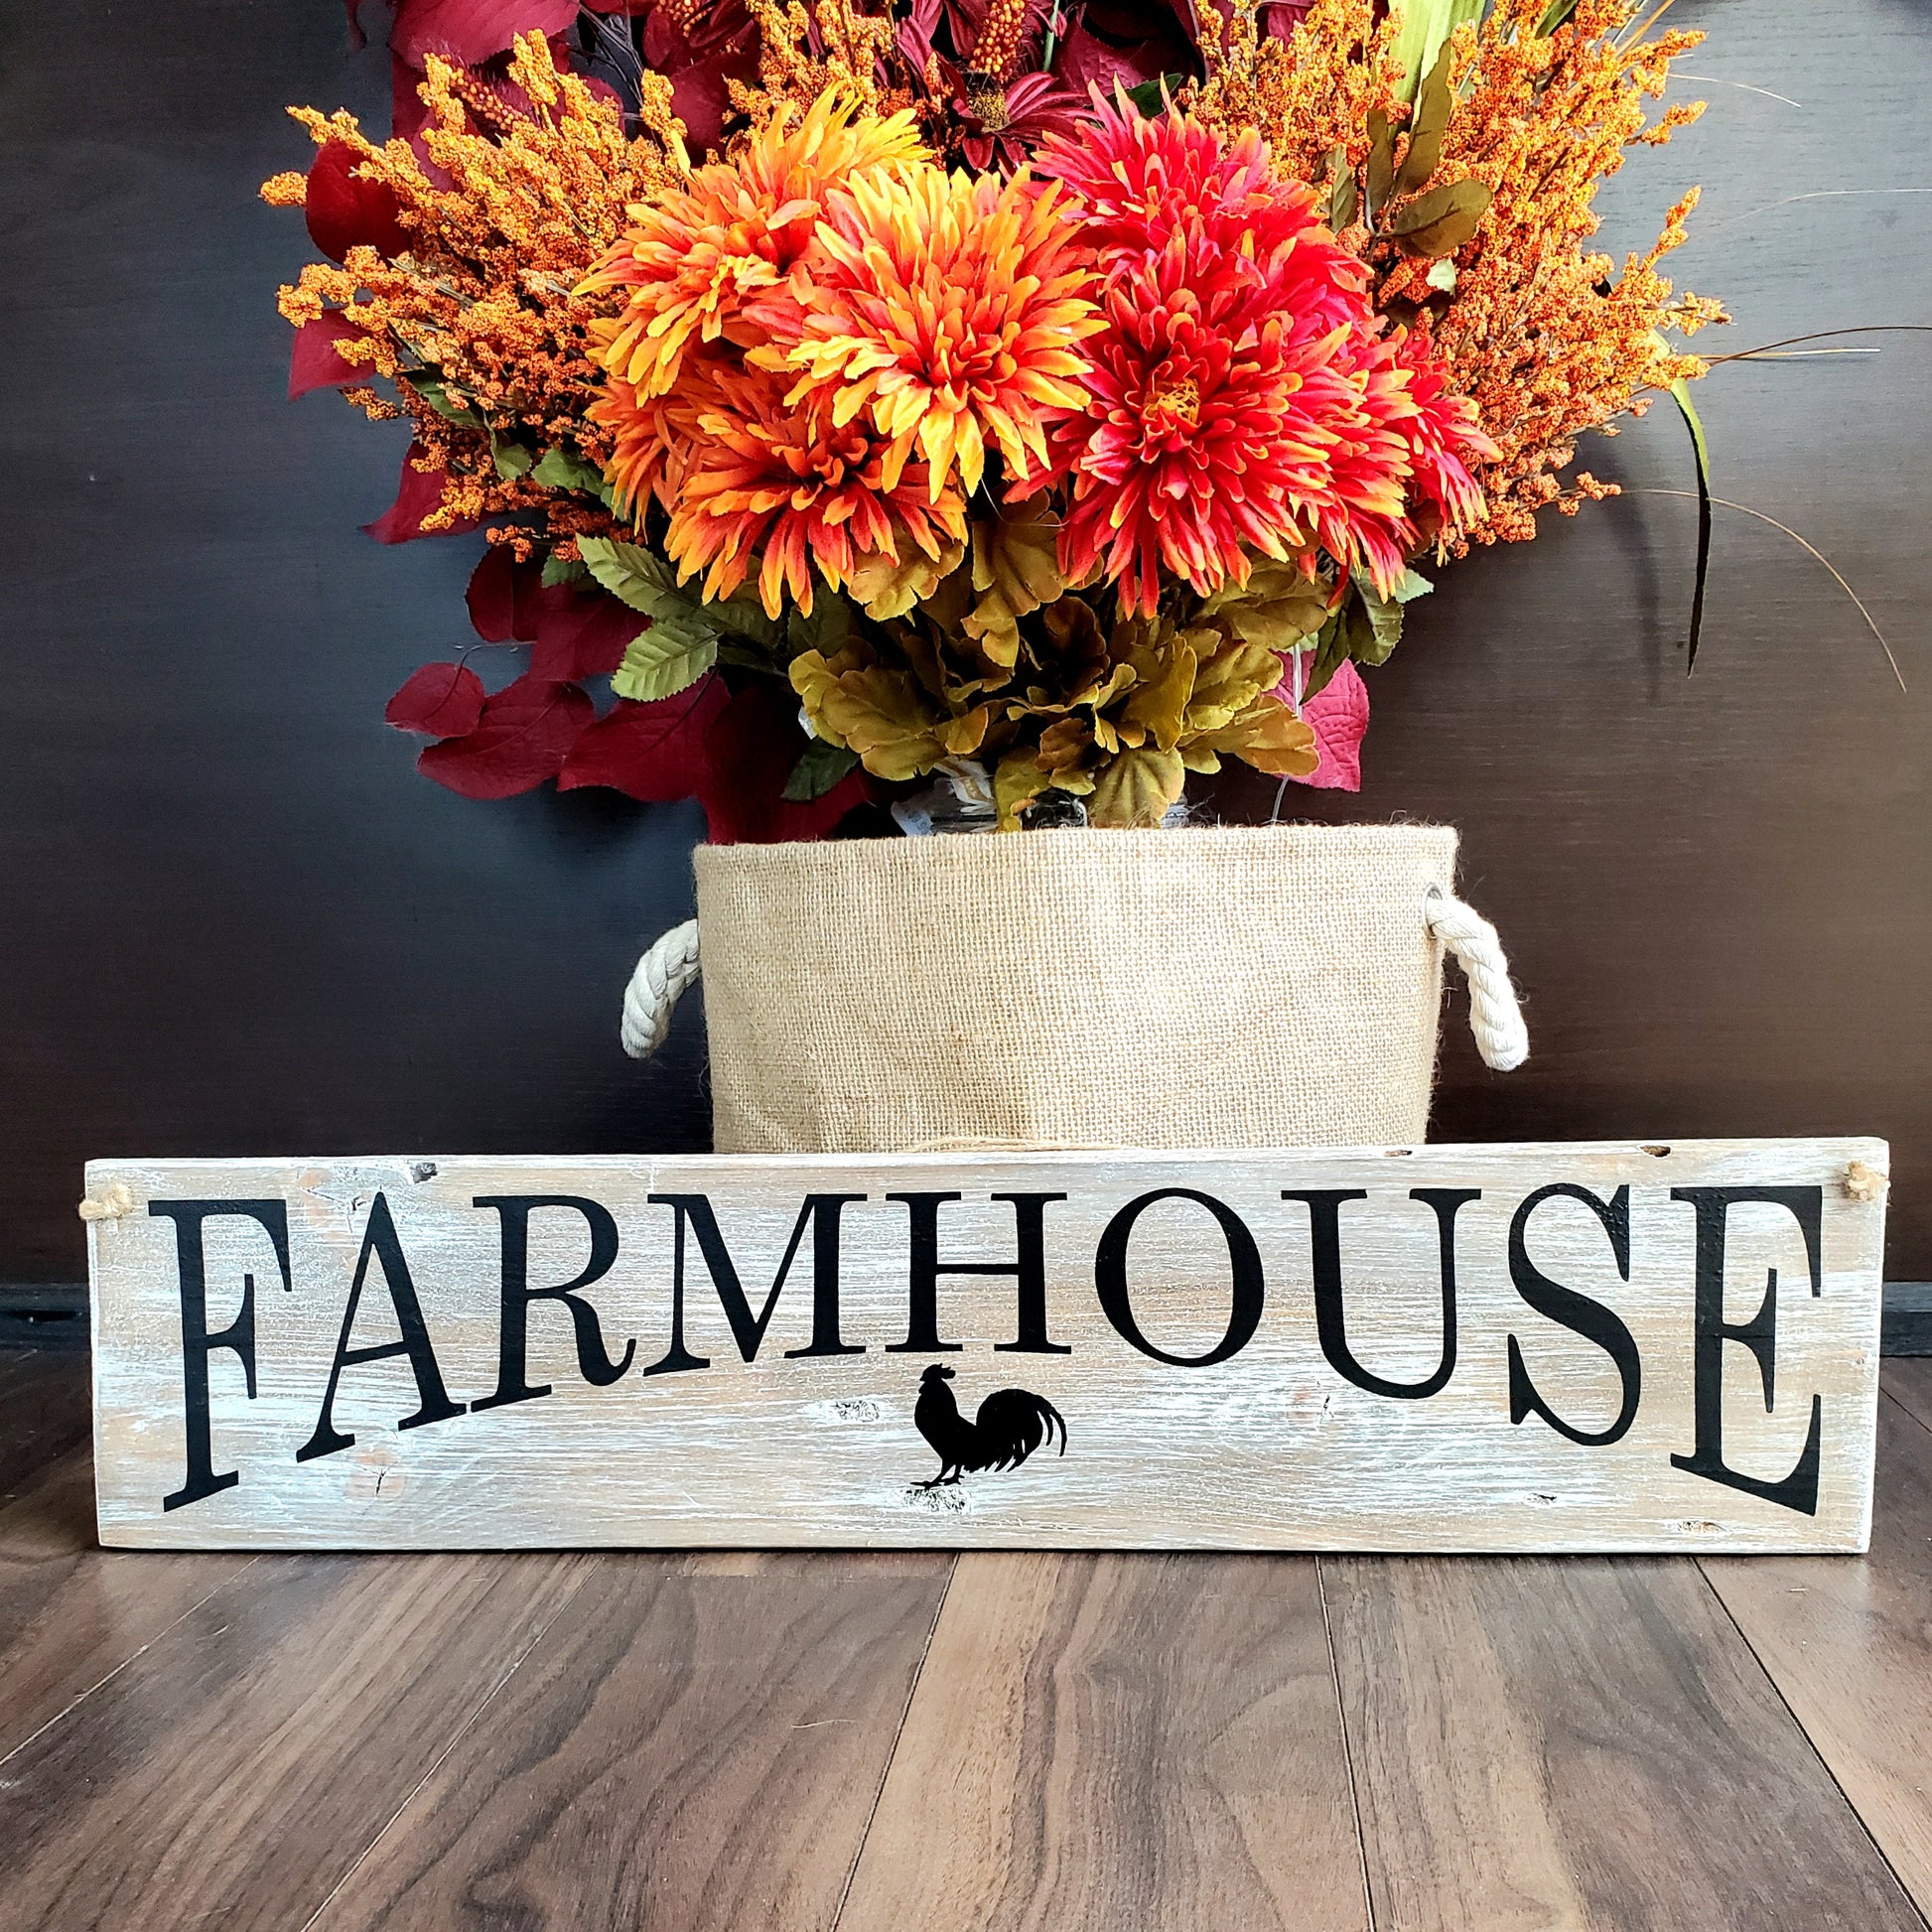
x: 892, y: 1743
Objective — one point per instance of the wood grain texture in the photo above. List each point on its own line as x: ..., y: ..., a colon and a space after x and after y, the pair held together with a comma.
x: 44, y: 1413
x: 1100, y: 1742
x: 1584, y: 1745
x: 1187, y: 1426
x: 1910, y: 1384
x: 254, y: 927
x: 71, y: 1613
x: 691, y: 1747
x: 232, y: 1773
x: 1850, y: 1647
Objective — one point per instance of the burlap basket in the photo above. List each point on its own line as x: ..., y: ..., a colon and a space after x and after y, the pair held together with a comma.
x: 1272, y: 986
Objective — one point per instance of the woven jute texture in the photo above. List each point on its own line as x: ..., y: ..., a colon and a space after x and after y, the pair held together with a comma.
x: 1269, y: 986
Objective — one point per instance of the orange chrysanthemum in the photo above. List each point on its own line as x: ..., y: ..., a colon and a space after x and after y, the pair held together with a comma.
x: 947, y: 306
x: 695, y: 255
x: 787, y: 487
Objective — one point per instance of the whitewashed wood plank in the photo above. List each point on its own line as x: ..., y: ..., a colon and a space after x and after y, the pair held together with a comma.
x: 1294, y: 1440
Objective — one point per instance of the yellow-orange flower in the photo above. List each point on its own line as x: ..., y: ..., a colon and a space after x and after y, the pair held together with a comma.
x: 696, y: 254
x: 784, y: 487
x: 946, y: 307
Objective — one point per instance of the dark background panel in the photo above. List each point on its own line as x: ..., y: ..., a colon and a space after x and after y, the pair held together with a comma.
x: 239, y: 922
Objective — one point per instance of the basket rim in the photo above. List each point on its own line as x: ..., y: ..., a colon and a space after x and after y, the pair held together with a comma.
x: 969, y: 849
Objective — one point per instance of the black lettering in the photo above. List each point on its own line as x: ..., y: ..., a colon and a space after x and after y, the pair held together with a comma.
x: 1247, y: 1290
x: 432, y: 1398
x: 821, y: 1213
x: 191, y: 1257
x: 1579, y: 1314
x: 1331, y: 1315
x: 1029, y: 1269
x: 1799, y: 1490
x: 595, y: 1367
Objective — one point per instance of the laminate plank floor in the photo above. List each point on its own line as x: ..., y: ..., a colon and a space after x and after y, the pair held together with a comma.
x: 868, y: 1742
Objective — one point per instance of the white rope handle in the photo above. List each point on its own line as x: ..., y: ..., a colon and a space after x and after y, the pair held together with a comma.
x: 1494, y: 1017
x: 663, y: 976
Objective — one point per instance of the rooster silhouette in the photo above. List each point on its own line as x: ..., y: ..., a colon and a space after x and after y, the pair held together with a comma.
x: 1009, y: 1426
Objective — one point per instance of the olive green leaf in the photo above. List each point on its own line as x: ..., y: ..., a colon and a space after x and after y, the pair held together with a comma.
x: 436, y: 392
x: 1426, y: 128
x: 1375, y: 622
x: 883, y: 715
x: 629, y: 571
x: 1681, y: 395
x: 561, y: 468
x: 1136, y: 787
x: 1278, y: 606
x: 1269, y: 735
x: 1425, y: 26
x: 1016, y: 781
x: 682, y: 642
x: 1554, y: 15
x: 512, y: 460
x: 564, y: 570
x: 1381, y: 162
x: 820, y: 766
x: 668, y: 656
x: 1441, y: 220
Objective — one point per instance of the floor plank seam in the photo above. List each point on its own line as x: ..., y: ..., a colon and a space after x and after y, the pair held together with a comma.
x: 443, y: 1756
x: 1871, y: 1838
x: 1904, y: 1409
x: 1347, y: 1743
x: 134, y: 1656
x: 886, y: 1770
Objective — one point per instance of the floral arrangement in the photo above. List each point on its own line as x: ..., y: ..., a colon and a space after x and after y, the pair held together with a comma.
x: 989, y: 410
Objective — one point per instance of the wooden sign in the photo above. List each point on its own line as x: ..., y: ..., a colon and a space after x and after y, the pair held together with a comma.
x: 1559, y: 1347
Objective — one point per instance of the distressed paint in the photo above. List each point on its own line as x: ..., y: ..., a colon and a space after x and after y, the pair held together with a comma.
x: 1275, y: 1445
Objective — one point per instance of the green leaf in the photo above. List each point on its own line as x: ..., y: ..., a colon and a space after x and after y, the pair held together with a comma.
x: 819, y: 768
x: 1373, y: 622
x: 1441, y: 220
x: 562, y: 469
x: 1681, y: 394
x: 1425, y: 26
x: 1554, y: 15
x: 667, y: 657
x: 829, y: 627
x: 1426, y: 128
x: 1330, y: 647
x: 741, y: 615
x: 682, y: 643
x: 628, y: 570
x: 563, y: 570
x: 1381, y: 162
x: 1152, y: 96
x: 1344, y: 201
x: 434, y: 391
x: 511, y: 458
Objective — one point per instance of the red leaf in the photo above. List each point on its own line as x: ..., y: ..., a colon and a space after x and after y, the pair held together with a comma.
x: 523, y: 737
x: 579, y: 636
x: 439, y: 699
x: 344, y: 210
x: 491, y: 596
x: 419, y: 492
x: 313, y: 362
x: 654, y: 751
x: 751, y: 749
x: 700, y: 99
x: 1337, y: 714
x: 471, y: 31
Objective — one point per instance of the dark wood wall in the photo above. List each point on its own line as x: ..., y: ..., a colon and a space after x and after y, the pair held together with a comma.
x: 237, y: 922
